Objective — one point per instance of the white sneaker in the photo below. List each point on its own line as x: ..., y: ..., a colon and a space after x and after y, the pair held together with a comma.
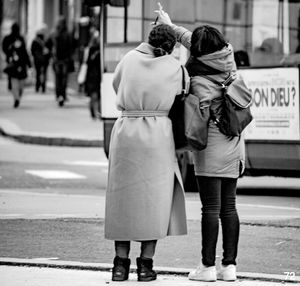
x: 203, y: 273
x: 227, y: 272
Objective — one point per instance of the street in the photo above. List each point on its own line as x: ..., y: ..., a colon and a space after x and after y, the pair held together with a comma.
x: 56, y: 133
x: 52, y: 207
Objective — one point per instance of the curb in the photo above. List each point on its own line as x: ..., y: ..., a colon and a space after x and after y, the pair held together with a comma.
x: 7, y: 129
x: 106, y: 267
x: 45, y: 139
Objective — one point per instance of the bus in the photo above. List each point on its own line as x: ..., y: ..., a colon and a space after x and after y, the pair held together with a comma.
x: 265, y: 35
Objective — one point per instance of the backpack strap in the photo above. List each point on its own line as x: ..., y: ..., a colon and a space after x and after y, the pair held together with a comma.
x: 223, y: 84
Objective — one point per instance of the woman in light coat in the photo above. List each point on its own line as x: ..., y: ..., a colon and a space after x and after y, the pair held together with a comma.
x: 145, y: 196
x: 219, y: 165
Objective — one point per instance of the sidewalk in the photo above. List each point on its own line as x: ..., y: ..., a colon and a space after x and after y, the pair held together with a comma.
x: 39, y: 120
x: 21, y: 272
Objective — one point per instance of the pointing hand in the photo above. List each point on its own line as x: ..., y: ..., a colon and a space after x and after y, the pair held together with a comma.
x: 162, y: 16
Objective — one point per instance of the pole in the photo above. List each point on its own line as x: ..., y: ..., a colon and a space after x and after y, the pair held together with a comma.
x: 1, y: 18
x: 125, y: 20
x: 102, y: 7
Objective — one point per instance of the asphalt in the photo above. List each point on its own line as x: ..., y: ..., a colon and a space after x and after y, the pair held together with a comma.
x: 39, y: 120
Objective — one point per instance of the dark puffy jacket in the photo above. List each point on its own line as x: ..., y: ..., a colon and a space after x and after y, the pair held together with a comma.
x: 17, y: 58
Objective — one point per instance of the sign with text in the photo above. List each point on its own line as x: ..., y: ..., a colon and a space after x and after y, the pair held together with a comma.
x: 275, y: 104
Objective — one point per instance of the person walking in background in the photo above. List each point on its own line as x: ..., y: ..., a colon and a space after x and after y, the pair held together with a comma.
x: 18, y: 62
x: 217, y: 167
x: 41, y: 56
x: 145, y: 196
x: 60, y: 44
x: 93, y: 76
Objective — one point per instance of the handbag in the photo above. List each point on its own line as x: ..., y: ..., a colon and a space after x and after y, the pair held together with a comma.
x: 82, y: 73
x: 190, y: 117
x: 81, y: 78
x: 10, y: 69
x: 234, y: 113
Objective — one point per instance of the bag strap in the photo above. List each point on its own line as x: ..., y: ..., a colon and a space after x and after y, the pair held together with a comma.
x: 185, y: 83
x: 223, y: 84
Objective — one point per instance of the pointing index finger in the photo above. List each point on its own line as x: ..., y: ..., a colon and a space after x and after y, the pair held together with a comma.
x: 160, y: 7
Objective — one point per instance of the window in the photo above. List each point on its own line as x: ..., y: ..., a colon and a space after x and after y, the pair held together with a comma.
x: 119, y: 29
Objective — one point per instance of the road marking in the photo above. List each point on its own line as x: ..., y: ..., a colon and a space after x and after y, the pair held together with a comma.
x: 30, y: 193
x: 45, y: 258
x: 51, y: 215
x: 12, y: 215
x: 269, y: 207
x: 87, y: 163
x: 55, y: 174
x: 195, y: 203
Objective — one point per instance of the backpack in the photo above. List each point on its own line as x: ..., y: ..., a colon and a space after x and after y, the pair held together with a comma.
x: 234, y: 113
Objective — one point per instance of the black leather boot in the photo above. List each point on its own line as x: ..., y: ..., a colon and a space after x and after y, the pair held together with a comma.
x: 144, y: 269
x: 120, y: 270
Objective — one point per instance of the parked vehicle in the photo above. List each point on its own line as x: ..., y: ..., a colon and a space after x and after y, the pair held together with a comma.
x: 267, y: 52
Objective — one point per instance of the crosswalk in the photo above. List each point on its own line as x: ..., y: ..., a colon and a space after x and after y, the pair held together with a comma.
x: 64, y: 173
x: 55, y: 174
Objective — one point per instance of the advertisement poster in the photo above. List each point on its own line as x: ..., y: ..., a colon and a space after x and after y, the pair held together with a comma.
x: 275, y: 103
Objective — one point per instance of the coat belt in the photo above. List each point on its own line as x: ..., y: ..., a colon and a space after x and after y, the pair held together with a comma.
x: 144, y: 113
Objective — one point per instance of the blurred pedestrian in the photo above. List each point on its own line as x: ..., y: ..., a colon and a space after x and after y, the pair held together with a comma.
x: 145, y: 196
x: 41, y: 57
x: 217, y: 167
x: 93, y: 77
x: 60, y: 44
x: 18, y: 61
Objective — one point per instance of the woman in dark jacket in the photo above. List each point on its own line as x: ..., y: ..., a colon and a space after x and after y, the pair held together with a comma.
x: 40, y: 54
x: 93, y: 77
x: 17, y: 62
x: 60, y: 44
x: 218, y: 166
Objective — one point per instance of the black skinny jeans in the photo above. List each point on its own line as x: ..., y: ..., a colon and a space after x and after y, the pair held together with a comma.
x: 218, y: 197
x: 41, y: 77
x: 61, y: 78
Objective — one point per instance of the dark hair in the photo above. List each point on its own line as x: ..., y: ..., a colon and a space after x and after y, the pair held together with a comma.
x: 206, y: 40
x: 61, y: 25
x: 15, y: 29
x: 163, y: 39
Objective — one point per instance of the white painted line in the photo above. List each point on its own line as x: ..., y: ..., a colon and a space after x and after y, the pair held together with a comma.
x: 55, y: 174
x: 268, y: 217
x: 269, y: 207
x: 12, y: 215
x: 29, y: 193
x: 87, y: 163
x: 45, y: 258
x: 50, y: 216
x: 196, y: 203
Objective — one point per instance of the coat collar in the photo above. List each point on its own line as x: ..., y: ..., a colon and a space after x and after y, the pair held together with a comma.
x: 145, y: 48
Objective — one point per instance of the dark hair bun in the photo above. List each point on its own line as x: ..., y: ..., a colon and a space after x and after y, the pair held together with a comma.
x: 163, y: 39
x: 158, y: 52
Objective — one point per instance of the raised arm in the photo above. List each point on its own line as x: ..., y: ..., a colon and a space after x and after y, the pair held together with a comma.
x: 182, y: 34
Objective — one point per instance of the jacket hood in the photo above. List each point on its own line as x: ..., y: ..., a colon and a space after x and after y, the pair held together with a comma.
x: 222, y: 60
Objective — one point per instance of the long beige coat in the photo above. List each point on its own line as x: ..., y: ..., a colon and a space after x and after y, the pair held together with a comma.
x: 145, y: 197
